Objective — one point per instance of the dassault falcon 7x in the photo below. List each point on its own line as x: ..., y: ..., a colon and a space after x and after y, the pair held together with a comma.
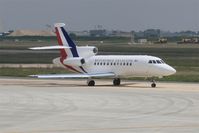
x: 87, y: 64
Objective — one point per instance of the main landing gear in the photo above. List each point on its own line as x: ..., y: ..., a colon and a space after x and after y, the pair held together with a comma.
x: 91, y: 82
x: 116, y: 81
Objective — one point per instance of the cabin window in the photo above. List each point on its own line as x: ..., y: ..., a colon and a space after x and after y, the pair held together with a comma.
x: 154, y: 62
x: 124, y: 64
x: 127, y: 64
x: 130, y: 64
x: 150, y: 62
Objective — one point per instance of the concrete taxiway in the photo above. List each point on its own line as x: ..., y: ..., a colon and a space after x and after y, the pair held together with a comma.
x: 60, y: 106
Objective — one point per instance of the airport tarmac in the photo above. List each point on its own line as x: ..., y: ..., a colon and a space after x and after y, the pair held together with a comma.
x: 69, y: 106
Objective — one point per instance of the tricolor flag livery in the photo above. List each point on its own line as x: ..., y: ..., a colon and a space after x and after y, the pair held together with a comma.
x: 85, y: 62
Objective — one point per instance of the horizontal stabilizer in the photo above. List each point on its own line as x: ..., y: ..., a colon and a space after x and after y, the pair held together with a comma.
x: 59, y: 25
x: 62, y: 76
x: 50, y: 47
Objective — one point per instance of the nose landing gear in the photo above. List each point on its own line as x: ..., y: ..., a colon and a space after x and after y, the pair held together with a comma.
x: 153, y: 84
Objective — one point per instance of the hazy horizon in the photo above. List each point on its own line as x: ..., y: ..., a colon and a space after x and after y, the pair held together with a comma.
x: 127, y: 15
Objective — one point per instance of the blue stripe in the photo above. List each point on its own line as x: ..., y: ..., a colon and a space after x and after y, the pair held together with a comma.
x: 70, y: 43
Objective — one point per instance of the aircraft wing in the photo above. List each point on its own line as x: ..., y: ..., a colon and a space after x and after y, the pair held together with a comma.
x: 62, y: 76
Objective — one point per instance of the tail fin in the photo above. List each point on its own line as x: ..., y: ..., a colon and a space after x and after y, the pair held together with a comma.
x: 65, y: 40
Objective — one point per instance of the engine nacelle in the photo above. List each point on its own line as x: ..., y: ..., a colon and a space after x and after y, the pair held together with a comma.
x: 83, y: 52
x: 87, y: 51
x: 78, y: 61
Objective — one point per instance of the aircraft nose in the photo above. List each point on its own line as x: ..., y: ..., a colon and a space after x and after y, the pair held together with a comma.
x: 170, y: 70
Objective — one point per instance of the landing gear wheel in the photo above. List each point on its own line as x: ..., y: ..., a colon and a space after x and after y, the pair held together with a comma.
x: 91, y: 83
x: 153, y: 85
x: 116, y: 82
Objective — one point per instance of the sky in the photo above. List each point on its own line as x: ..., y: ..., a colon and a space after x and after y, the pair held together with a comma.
x: 127, y: 15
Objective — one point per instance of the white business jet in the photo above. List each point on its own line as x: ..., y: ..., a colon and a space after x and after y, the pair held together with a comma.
x: 87, y: 64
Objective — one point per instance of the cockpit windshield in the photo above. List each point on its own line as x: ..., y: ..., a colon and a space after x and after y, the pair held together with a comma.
x: 156, y: 62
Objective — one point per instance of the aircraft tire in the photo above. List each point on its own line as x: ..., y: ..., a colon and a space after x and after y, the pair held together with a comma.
x: 91, y: 83
x: 153, y: 85
x: 116, y: 82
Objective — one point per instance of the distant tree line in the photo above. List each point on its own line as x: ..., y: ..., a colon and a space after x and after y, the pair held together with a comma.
x: 149, y: 34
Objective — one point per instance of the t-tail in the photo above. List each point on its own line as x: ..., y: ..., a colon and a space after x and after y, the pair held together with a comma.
x: 71, y: 56
x: 65, y: 40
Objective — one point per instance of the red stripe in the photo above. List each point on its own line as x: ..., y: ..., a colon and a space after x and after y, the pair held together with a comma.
x: 70, y: 67
x: 62, y: 51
